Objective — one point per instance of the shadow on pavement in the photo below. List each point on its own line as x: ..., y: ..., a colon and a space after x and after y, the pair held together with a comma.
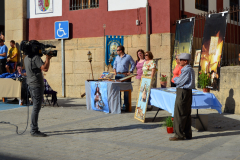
x: 5, y: 157
x: 78, y: 131
x: 70, y: 102
x: 220, y: 122
x: 217, y: 135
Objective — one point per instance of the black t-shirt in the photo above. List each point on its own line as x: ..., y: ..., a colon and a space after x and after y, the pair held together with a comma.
x: 34, y: 72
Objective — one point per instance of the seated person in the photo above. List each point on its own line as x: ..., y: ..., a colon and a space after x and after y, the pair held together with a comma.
x: 12, y: 57
x: 22, y: 73
x: 19, y: 71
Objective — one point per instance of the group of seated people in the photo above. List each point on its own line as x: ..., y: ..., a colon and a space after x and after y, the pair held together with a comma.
x: 11, y: 68
x: 8, y: 57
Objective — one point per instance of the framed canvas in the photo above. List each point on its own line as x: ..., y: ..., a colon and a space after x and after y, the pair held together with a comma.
x: 99, y: 100
x: 143, y: 96
x: 107, y: 75
x: 127, y: 77
x: 197, y: 58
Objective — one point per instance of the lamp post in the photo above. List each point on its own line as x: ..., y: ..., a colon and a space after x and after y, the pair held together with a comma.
x: 110, y: 59
x: 104, y: 26
x: 90, y: 60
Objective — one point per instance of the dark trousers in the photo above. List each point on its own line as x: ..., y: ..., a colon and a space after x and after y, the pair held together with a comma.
x: 173, y: 84
x: 3, y: 66
x: 126, y: 102
x: 37, y: 97
x: 182, y: 114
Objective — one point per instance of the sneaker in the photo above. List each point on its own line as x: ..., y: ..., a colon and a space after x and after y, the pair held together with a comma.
x: 38, y: 134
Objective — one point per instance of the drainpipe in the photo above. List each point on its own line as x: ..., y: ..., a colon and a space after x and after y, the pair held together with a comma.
x: 183, y: 16
x: 180, y: 9
x: 147, y: 28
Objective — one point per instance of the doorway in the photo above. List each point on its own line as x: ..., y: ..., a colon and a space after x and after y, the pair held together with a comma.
x: 2, y: 16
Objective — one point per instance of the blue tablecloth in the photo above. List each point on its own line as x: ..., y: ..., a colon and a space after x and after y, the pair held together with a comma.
x: 113, y: 94
x: 164, y: 98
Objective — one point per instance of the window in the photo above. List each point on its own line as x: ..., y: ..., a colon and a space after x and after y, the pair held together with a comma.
x: 83, y: 4
x: 201, y: 5
x: 234, y: 4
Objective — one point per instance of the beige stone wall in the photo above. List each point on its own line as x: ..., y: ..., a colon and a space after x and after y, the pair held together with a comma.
x: 78, y: 68
x: 229, y: 92
x: 15, y: 20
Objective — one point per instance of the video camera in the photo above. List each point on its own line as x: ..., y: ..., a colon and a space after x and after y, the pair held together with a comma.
x: 34, y: 47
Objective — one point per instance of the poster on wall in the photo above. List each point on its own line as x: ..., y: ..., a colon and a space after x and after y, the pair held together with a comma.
x: 183, y: 38
x: 112, y: 42
x: 143, y: 96
x: 43, y: 6
x: 99, y: 99
x: 212, y: 46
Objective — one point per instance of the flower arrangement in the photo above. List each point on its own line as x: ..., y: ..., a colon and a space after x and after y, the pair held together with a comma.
x: 204, y: 79
x: 163, y: 78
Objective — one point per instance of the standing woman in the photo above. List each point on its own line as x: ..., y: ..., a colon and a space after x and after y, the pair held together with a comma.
x: 176, y: 71
x: 149, y: 67
x: 139, y: 65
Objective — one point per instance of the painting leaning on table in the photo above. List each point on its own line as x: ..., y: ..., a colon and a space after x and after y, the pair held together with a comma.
x: 143, y: 96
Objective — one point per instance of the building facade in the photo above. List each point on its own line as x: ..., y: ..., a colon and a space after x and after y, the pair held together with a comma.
x: 25, y: 21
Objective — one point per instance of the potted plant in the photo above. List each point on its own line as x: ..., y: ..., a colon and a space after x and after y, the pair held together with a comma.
x: 163, y: 81
x: 169, y: 124
x: 204, y: 80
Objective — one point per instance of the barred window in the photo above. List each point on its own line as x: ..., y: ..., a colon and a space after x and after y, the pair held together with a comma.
x: 83, y: 4
x: 234, y: 4
x: 201, y: 5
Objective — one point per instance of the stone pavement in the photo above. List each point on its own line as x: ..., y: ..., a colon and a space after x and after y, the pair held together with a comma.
x: 76, y: 133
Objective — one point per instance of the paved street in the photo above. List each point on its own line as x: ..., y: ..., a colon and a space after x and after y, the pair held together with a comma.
x: 76, y: 133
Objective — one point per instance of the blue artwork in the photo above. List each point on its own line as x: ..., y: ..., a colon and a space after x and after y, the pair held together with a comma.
x: 112, y: 42
x: 143, y: 97
x: 99, y: 99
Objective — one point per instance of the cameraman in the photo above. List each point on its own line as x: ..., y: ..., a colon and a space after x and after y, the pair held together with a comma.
x: 34, y: 67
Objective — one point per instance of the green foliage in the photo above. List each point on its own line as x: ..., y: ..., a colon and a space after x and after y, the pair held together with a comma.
x: 163, y: 78
x: 168, y: 122
x: 204, y: 79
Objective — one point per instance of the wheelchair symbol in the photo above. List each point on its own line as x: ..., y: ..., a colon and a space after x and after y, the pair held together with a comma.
x: 60, y: 31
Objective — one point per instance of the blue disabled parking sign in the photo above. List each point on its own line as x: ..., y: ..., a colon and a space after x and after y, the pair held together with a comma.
x: 61, y: 30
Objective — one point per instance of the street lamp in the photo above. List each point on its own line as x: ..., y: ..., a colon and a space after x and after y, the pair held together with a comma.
x: 104, y: 49
x: 89, y: 56
x: 90, y: 60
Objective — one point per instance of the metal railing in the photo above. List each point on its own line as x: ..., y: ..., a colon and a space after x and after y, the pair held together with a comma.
x: 231, y: 48
x: 83, y: 4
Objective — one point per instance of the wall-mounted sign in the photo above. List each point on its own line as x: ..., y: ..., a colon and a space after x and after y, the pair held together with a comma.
x: 43, y: 6
x: 61, y: 29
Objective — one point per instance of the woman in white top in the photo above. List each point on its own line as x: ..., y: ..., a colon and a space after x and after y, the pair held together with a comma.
x: 149, y: 67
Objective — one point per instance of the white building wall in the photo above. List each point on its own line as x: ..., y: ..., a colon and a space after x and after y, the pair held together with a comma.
x: 189, y: 6
x: 116, y: 5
